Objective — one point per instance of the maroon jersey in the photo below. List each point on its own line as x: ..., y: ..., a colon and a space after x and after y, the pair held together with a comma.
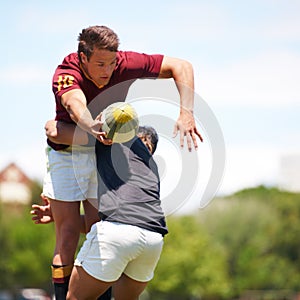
x: 130, y: 66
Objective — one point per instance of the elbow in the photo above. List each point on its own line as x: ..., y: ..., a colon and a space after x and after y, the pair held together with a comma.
x: 184, y: 69
x: 51, y: 129
x: 187, y: 66
x: 51, y: 134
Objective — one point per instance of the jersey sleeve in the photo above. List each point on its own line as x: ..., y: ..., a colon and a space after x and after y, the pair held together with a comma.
x: 140, y: 65
x: 64, y: 80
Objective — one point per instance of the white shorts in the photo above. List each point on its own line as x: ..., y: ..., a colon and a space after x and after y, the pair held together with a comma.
x: 71, y: 174
x: 111, y: 249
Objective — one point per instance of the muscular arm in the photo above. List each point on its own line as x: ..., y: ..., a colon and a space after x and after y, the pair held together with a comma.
x: 75, y: 103
x: 65, y: 133
x: 182, y: 73
x: 69, y: 134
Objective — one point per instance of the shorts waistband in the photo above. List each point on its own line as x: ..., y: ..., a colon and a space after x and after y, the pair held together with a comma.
x: 72, y: 148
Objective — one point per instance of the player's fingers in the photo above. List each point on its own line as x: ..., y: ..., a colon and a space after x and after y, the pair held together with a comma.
x: 182, y: 135
x: 36, y: 220
x: 175, y: 131
x: 199, y: 135
x: 45, y: 199
x: 98, y: 118
x: 100, y: 138
x: 194, y: 139
x: 43, y: 196
x: 189, y: 142
x: 107, y: 142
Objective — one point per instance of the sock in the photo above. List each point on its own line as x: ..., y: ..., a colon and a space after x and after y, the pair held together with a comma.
x: 106, y: 295
x: 60, y: 278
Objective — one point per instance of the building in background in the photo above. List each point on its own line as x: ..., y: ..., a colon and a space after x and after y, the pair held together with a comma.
x: 15, y: 186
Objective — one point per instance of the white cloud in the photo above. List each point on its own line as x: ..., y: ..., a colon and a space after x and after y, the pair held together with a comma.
x: 250, y: 165
x: 203, y: 20
x: 290, y: 171
x: 287, y: 29
x: 269, y: 79
x: 25, y: 74
x: 39, y: 19
x: 246, y: 166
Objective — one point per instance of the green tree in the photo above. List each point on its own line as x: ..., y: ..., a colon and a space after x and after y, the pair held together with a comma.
x: 36, y: 190
x: 6, y: 248
x: 191, y: 265
x: 27, y: 249
x: 249, y: 224
x: 248, y: 240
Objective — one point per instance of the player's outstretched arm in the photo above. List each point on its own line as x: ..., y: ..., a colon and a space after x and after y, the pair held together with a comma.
x: 182, y: 73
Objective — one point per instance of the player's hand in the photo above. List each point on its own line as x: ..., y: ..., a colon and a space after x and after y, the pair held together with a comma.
x: 101, y: 135
x: 187, y: 128
x: 42, y: 213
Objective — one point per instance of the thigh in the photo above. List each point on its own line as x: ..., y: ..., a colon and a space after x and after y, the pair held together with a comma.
x: 67, y: 213
x: 91, y: 213
x: 82, y: 286
x: 126, y: 288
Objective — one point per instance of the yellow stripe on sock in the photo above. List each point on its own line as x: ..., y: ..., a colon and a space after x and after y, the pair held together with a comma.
x: 61, y: 272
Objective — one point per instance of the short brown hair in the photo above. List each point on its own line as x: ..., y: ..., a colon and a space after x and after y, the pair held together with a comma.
x: 99, y: 37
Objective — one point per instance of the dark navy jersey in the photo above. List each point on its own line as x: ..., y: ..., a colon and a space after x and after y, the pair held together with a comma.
x: 129, y: 186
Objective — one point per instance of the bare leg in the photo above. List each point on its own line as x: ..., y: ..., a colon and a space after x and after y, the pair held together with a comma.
x: 82, y: 286
x: 128, y: 289
x: 91, y: 216
x: 67, y: 227
x: 91, y: 213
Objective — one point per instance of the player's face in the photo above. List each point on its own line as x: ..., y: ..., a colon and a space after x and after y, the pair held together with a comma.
x: 146, y: 141
x: 100, y: 66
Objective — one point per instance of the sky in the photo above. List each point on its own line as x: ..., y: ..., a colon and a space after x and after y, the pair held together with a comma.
x: 245, y: 55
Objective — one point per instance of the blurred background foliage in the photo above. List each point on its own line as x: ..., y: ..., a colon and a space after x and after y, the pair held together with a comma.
x: 248, y: 241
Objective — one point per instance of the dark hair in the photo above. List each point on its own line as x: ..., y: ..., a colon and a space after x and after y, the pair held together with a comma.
x: 99, y: 37
x: 150, y: 134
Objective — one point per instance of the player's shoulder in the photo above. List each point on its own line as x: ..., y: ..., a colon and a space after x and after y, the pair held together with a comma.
x: 127, y: 55
x: 138, y: 59
x: 70, y: 65
x: 71, y: 60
